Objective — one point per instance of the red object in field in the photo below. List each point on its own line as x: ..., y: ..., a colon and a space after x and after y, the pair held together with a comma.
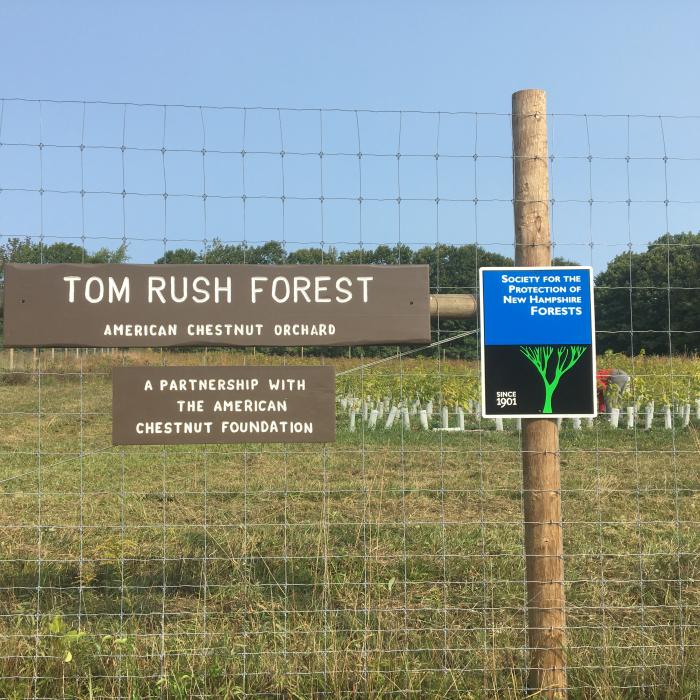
x: 602, y: 381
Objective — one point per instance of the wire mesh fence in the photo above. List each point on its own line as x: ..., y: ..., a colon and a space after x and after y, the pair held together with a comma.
x: 391, y: 562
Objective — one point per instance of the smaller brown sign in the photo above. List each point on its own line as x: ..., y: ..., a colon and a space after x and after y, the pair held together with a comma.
x: 197, y: 405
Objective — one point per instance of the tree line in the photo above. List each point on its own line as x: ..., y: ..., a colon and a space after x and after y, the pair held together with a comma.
x: 644, y: 301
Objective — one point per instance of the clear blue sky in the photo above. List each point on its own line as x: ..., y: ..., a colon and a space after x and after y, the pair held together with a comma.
x: 592, y: 57
x: 615, y: 57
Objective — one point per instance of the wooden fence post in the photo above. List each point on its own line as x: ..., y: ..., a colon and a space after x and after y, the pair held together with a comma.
x: 546, y: 615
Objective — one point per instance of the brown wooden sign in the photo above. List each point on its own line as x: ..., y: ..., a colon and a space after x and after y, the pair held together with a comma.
x: 169, y: 305
x: 196, y: 405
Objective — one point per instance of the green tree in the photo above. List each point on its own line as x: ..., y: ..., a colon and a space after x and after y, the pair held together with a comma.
x: 20, y: 250
x: 400, y: 254
x: 270, y: 253
x: 567, y: 357
x: 455, y: 270
x: 179, y: 256
x: 649, y: 300
x: 558, y: 261
x: 105, y: 255
x: 312, y: 256
x: 224, y: 253
x: 28, y: 250
x: 63, y: 253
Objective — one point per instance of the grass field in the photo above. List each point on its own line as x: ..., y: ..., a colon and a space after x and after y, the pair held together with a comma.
x: 387, y: 564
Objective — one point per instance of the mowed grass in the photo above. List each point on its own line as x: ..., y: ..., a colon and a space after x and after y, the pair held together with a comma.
x: 389, y: 563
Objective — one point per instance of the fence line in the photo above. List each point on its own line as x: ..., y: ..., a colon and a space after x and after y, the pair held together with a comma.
x: 390, y: 563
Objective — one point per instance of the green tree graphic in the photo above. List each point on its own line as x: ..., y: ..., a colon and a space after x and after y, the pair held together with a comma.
x: 539, y: 355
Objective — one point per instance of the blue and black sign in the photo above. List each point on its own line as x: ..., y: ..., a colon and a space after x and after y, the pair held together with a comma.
x: 537, y: 342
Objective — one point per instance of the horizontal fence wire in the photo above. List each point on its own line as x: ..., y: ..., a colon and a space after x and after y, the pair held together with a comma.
x: 391, y: 562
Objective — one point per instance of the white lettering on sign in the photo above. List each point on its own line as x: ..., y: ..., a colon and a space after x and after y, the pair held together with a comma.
x: 140, y: 330
x: 94, y: 289
x: 546, y: 294
x: 200, y: 290
x: 263, y: 426
x: 299, y: 289
x: 556, y: 311
x: 506, y: 398
x: 248, y: 405
x: 159, y: 427
x: 180, y: 289
x: 292, y: 329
